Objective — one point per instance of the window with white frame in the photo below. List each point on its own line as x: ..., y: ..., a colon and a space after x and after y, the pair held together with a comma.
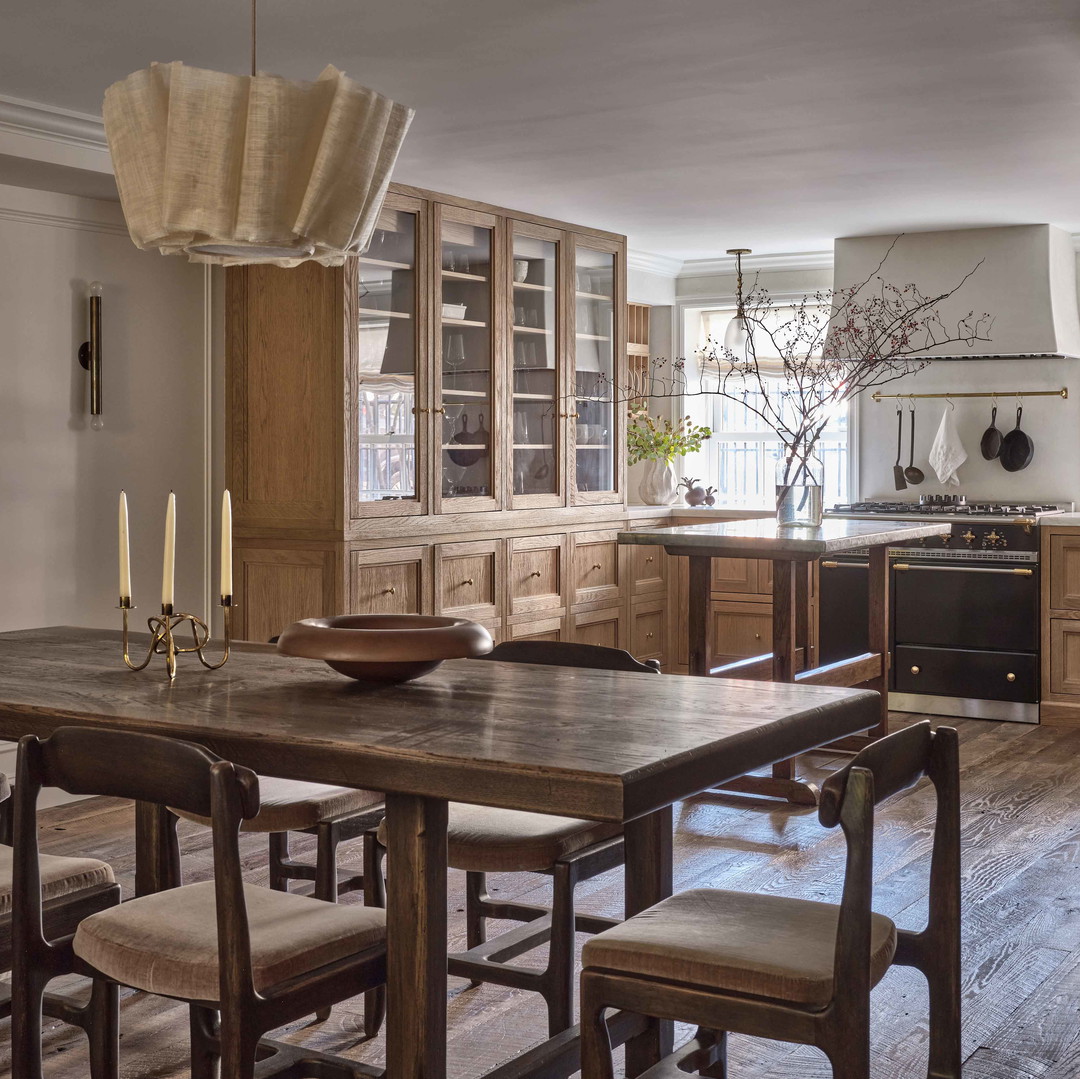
x: 740, y: 458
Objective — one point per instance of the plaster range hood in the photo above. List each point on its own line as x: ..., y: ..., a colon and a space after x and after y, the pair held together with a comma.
x: 1027, y: 283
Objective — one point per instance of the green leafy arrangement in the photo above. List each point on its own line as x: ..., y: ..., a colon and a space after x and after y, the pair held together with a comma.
x: 648, y: 439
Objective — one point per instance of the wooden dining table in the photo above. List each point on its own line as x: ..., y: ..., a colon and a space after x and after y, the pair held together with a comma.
x: 602, y: 745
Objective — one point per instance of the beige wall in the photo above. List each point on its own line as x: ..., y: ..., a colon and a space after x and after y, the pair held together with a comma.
x: 59, y: 481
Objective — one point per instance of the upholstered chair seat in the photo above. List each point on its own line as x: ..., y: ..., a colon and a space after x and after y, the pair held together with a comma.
x: 59, y: 876
x: 167, y: 943
x: 291, y: 805
x: 480, y: 839
x: 752, y: 944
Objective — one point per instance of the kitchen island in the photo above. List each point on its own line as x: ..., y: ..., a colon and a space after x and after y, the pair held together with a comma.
x: 791, y: 551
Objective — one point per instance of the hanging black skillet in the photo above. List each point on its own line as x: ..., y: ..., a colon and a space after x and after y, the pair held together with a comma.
x: 991, y: 439
x: 1017, y: 449
x: 899, y: 482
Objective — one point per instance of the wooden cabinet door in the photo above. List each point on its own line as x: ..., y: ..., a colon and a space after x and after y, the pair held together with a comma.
x: 468, y: 580
x: 597, y: 567
x: 537, y: 574
x: 276, y: 586
x: 648, y: 630
x: 1065, y: 572
x: 1064, y: 655
x: 740, y: 630
x: 605, y: 627
x: 542, y: 629
x: 649, y: 570
x: 734, y: 575
x: 391, y: 582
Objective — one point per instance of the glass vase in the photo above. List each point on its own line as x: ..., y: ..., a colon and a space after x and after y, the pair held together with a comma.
x: 800, y: 481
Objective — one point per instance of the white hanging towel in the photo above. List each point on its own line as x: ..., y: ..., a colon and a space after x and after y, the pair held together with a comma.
x: 947, y: 453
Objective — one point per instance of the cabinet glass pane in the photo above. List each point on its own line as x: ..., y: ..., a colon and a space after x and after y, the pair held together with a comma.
x: 535, y: 359
x: 387, y: 349
x: 465, y: 361
x: 594, y: 370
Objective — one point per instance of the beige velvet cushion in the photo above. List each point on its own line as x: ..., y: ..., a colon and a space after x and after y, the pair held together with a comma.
x: 487, y: 840
x: 752, y: 944
x: 291, y: 805
x: 167, y: 942
x: 59, y: 876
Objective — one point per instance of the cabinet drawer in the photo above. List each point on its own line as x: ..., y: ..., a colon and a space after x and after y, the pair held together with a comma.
x: 740, y: 631
x: 543, y: 629
x: 467, y: 579
x: 394, y: 585
x: 536, y: 574
x: 650, y: 570
x: 1065, y: 573
x: 603, y: 627
x: 962, y: 672
x: 648, y: 631
x: 596, y: 567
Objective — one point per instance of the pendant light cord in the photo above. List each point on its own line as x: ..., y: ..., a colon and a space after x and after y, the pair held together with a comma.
x: 253, y: 37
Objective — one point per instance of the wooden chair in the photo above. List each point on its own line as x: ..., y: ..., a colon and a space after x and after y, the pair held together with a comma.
x: 482, y: 840
x: 791, y: 969
x: 246, y: 959
x: 71, y: 889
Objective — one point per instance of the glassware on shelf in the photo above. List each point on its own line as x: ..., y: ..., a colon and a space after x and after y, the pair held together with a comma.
x: 455, y: 353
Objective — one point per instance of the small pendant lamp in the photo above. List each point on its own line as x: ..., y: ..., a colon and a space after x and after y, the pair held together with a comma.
x: 737, y: 334
x: 237, y: 169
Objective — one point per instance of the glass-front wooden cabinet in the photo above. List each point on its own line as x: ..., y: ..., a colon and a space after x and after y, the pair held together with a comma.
x: 467, y: 378
x: 538, y: 408
x: 390, y: 350
x: 598, y: 377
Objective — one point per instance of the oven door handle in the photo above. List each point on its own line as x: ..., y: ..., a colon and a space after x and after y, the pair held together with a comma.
x: 1018, y: 572
x: 845, y: 565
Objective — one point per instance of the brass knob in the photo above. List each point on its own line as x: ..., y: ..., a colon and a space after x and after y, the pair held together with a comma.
x: 389, y: 591
x: 649, y: 559
x: 648, y: 636
x: 573, y: 415
x: 945, y: 537
x: 914, y: 670
x: 969, y: 537
x: 1010, y: 677
x: 596, y: 565
x: 468, y: 580
x: 757, y: 636
x: 535, y: 573
x: 440, y: 409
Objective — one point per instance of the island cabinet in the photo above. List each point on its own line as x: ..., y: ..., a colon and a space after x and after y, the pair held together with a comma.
x: 1059, y: 561
x: 438, y: 427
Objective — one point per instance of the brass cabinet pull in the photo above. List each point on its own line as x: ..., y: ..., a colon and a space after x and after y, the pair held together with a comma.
x: 649, y: 559
x: 757, y: 636
x: 535, y: 573
x: 915, y: 670
x: 440, y: 409
x: 1010, y: 677
x: 596, y: 565
x: 418, y: 411
x: 648, y: 636
x: 468, y: 580
x: 391, y: 591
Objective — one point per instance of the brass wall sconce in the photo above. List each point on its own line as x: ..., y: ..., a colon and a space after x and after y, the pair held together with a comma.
x: 90, y: 355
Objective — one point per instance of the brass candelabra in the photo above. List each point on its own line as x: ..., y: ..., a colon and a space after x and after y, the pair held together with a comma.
x: 163, y: 640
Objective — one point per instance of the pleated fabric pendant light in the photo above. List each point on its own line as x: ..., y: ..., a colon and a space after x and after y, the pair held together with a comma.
x: 237, y: 169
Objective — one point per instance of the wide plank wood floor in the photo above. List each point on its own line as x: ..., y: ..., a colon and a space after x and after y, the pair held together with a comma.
x: 1021, y: 827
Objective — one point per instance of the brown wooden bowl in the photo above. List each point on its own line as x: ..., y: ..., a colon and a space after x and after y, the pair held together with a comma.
x: 384, y: 647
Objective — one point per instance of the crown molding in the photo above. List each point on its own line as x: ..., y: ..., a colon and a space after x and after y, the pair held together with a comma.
x: 647, y: 262
x: 62, y: 221
x: 50, y: 122
x: 796, y: 260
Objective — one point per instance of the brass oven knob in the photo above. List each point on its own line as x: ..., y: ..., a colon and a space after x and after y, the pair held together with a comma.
x: 1010, y: 677
x: 969, y: 537
x: 915, y: 670
x: 945, y: 537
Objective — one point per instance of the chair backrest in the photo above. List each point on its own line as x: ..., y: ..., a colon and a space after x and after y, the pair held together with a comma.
x: 567, y: 654
x: 148, y: 768
x: 848, y: 798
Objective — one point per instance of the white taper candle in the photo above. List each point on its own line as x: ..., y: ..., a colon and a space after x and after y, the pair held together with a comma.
x: 226, y: 544
x: 168, y: 570
x: 125, y: 550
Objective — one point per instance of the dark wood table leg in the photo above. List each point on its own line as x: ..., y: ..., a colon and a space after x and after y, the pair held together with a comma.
x: 699, y: 623
x: 648, y: 880
x: 416, y: 937
x: 157, y: 853
x: 879, y: 632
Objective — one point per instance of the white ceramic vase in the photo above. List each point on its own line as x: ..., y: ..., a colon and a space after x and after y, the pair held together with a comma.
x: 658, y: 485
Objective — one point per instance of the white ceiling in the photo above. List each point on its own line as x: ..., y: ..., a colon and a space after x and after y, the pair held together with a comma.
x: 690, y: 125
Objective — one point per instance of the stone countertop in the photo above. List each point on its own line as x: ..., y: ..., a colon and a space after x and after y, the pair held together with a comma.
x: 705, y: 513
x: 763, y: 538
x: 1060, y: 520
